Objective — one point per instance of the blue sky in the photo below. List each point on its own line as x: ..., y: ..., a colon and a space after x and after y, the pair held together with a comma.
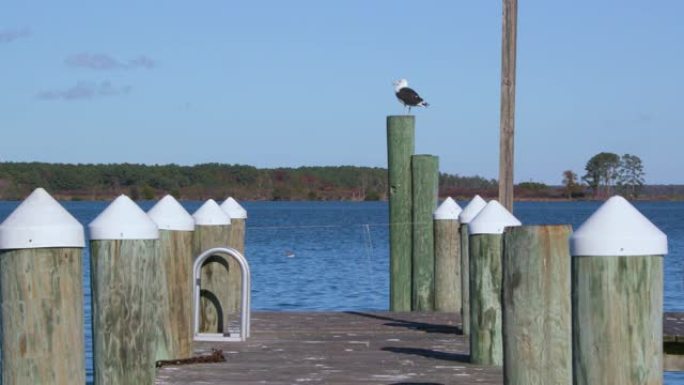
x: 303, y: 83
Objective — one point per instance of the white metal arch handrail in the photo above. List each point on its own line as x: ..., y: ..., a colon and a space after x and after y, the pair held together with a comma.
x: 246, y: 297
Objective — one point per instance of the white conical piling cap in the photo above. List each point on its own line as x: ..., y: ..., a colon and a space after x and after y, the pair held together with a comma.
x: 168, y: 214
x: 234, y: 209
x: 472, y: 209
x: 492, y: 219
x: 123, y: 219
x: 617, y: 229
x: 39, y: 222
x: 210, y: 214
x: 448, y: 210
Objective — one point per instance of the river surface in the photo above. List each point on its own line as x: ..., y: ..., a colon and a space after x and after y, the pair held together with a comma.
x: 334, y: 255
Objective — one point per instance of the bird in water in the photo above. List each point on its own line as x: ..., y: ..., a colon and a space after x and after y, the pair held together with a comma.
x: 407, y: 96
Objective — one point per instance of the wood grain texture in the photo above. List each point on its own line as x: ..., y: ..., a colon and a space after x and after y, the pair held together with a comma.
x: 425, y: 180
x: 42, y: 316
x: 400, y: 147
x: 126, y: 297
x: 507, y: 124
x: 537, y: 333
x: 236, y: 241
x: 465, y: 280
x: 486, y: 344
x: 215, y: 278
x: 447, y: 266
x: 617, y: 320
x: 174, y: 329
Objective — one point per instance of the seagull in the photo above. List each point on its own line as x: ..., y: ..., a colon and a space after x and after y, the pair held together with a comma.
x: 407, y: 96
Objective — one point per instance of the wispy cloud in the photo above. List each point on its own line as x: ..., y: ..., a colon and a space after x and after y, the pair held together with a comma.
x: 84, y: 91
x: 104, y: 62
x: 10, y: 35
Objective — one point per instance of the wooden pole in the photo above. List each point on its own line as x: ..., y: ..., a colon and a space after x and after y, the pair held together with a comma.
x: 537, y: 331
x: 124, y: 261
x: 175, y: 334
x: 617, y: 297
x: 466, y: 216
x: 41, y: 294
x: 447, y: 257
x: 212, y: 229
x: 238, y: 218
x: 506, y: 140
x: 425, y: 177
x: 486, y: 248
x: 400, y: 147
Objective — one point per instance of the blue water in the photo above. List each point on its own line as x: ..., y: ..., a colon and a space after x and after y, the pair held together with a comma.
x: 334, y: 255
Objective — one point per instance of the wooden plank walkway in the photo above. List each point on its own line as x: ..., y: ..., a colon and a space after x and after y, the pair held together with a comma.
x: 356, y: 348
x: 341, y: 348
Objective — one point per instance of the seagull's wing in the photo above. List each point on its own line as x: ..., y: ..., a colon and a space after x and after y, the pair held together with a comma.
x: 409, y: 96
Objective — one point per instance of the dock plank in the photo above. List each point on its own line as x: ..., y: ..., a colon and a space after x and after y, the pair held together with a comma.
x: 341, y: 348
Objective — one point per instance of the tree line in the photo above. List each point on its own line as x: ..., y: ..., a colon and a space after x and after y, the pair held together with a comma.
x: 608, y: 173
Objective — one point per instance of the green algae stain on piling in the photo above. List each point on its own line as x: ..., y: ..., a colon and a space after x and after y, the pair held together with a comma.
x: 537, y: 323
x: 425, y: 180
x: 617, y: 297
x: 447, y: 257
x: 126, y: 294
x: 174, y: 331
x: 466, y: 216
x: 486, y: 248
x: 41, y: 294
x: 212, y: 229
x: 400, y: 147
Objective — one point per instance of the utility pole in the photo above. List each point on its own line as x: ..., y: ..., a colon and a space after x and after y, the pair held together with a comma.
x: 506, y: 140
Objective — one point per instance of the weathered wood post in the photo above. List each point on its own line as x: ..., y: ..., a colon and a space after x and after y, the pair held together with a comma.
x: 617, y: 297
x: 507, y: 120
x: 238, y: 217
x: 486, y: 248
x: 124, y: 250
x: 468, y: 214
x: 41, y: 294
x: 447, y: 257
x: 212, y: 229
x: 425, y: 180
x: 400, y: 147
x: 537, y: 333
x: 174, y: 339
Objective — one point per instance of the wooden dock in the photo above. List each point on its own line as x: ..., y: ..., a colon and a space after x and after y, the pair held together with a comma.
x: 354, y: 348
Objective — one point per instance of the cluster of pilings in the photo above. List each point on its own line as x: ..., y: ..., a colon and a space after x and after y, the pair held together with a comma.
x: 141, y: 280
x: 549, y: 305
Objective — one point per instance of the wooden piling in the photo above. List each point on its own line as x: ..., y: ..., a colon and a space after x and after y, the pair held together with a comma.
x: 238, y: 218
x: 507, y: 120
x: 212, y: 229
x: 126, y: 294
x: 174, y: 331
x: 486, y: 247
x: 537, y: 318
x: 617, y: 297
x: 425, y: 180
x: 468, y: 214
x: 41, y: 294
x: 447, y: 257
x: 400, y: 147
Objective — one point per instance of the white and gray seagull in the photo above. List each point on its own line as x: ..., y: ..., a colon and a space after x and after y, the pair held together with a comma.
x: 407, y: 96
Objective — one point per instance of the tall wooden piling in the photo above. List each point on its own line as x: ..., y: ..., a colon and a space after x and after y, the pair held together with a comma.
x: 447, y: 257
x: 212, y: 229
x: 425, y: 180
x: 507, y: 120
x: 537, y: 323
x: 467, y: 215
x: 124, y: 261
x: 238, y: 218
x: 617, y: 297
x: 400, y: 147
x: 174, y: 331
x: 486, y: 248
x: 41, y: 294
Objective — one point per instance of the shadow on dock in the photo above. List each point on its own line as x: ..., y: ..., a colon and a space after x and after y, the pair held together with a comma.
x: 413, y: 325
x: 454, y: 357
